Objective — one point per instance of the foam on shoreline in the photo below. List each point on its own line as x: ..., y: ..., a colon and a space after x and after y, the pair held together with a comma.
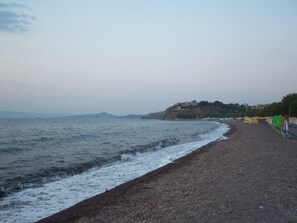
x: 35, y: 203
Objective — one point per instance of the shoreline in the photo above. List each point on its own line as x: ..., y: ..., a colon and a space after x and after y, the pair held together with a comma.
x: 105, y: 196
x: 249, y: 177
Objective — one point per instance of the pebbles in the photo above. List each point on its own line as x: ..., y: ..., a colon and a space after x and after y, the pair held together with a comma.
x: 249, y: 178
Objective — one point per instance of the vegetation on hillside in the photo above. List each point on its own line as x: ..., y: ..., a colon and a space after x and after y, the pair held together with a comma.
x: 217, y: 109
x: 223, y: 110
x: 288, y: 106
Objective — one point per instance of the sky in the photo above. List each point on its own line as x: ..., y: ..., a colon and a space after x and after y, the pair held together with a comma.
x: 141, y: 56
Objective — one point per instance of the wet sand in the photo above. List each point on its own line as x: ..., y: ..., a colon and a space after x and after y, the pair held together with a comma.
x: 252, y: 177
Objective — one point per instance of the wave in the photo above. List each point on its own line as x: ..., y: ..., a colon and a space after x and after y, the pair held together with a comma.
x: 25, y: 143
x: 54, y: 173
x: 55, y: 196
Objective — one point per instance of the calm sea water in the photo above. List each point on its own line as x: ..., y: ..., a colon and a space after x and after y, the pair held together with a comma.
x: 47, y: 165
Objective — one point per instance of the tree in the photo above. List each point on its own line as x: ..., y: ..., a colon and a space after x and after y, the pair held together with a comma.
x: 293, y: 108
x: 285, y: 103
x: 218, y: 104
x: 273, y: 109
x: 204, y: 103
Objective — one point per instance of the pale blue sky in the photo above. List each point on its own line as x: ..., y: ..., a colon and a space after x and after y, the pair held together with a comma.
x: 74, y: 56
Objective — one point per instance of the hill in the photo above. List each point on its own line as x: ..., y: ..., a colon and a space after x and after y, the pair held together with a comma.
x: 96, y: 115
x: 105, y: 115
x: 203, y: 109
x: 217, y: 109
x: 155, y: 115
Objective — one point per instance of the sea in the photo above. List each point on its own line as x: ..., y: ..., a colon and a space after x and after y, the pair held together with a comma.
x: 47, y: 165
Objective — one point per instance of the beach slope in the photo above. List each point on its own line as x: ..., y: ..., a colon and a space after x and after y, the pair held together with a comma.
x: 252, y: 177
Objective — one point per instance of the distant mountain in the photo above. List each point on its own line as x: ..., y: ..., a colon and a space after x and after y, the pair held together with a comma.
x: 13, y: 114
x: 97, y: 115
x: 155, y: 115
x: 132, y: 116
x: 102, y: 115
x: 105, y: 115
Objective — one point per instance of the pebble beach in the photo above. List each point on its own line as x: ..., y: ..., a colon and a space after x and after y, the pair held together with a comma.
x: 251, y: 177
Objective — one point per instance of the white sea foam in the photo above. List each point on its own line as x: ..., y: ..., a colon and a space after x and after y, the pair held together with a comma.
x: 33, y: 204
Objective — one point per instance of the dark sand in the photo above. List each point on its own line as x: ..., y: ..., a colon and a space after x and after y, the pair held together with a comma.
x: 252, y: 177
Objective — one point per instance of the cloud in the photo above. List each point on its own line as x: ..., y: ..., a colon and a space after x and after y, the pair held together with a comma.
x: 11, y: 21
x: 12, y: 5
